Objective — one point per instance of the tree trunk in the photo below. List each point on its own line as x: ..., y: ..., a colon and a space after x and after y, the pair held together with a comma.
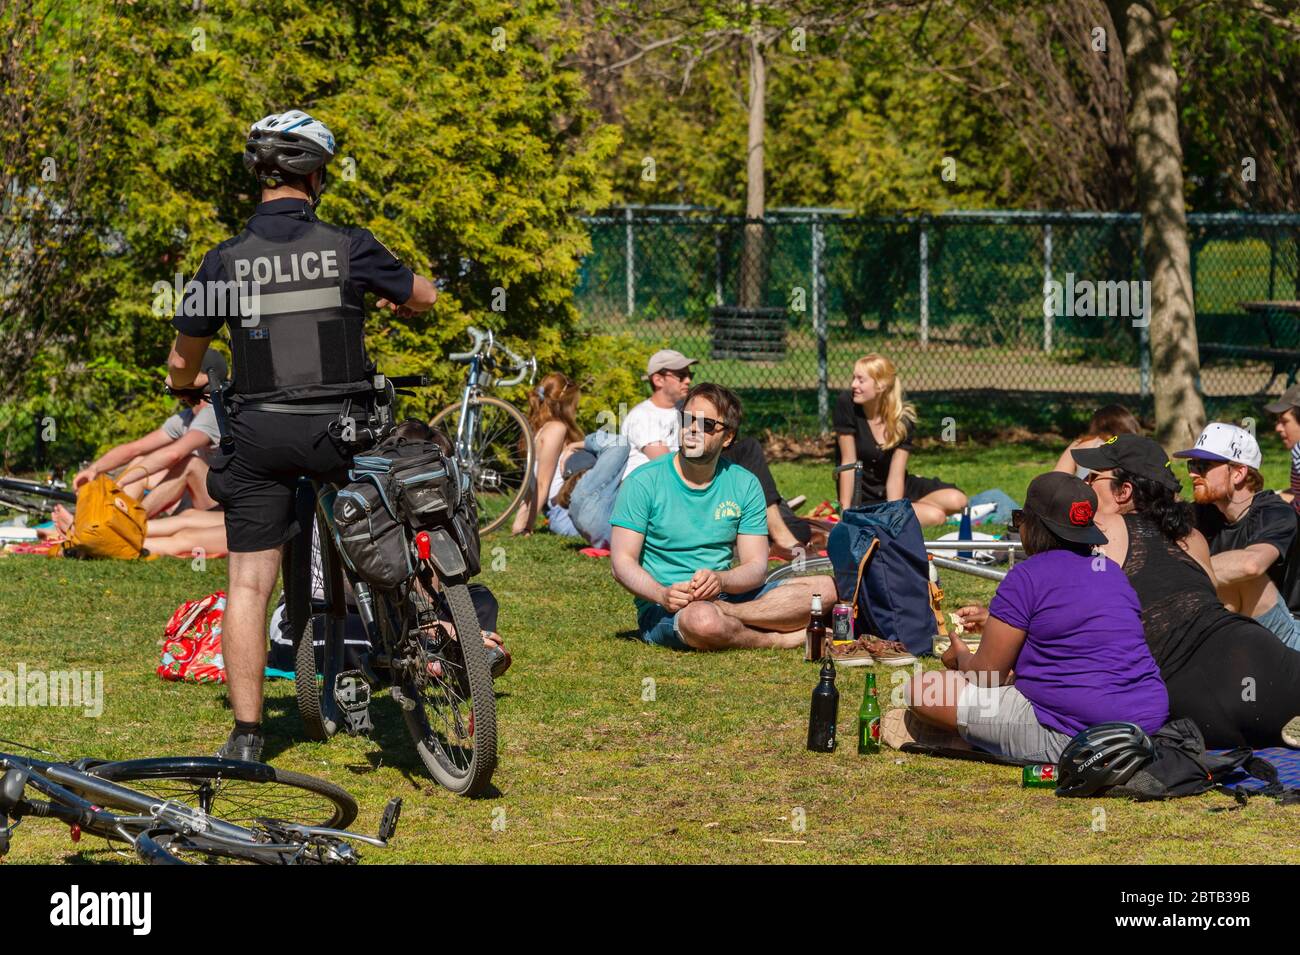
x: 1158, y: 163
x: 752, y: 257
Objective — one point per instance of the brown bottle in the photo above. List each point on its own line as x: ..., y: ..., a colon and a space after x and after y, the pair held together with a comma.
x: 815, y: 648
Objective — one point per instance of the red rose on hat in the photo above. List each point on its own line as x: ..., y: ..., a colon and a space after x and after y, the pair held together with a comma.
x: 1080, y: 513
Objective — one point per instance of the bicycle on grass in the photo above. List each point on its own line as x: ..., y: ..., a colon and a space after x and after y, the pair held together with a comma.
x: 174, y: 810
x: 37, y: 498
x: 493, y: 439
x: 441, y: 682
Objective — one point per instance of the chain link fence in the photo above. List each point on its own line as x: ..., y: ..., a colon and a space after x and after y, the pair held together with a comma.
x: 998, y: 314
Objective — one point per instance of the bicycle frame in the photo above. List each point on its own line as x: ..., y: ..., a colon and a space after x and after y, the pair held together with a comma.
x: 75, y: 797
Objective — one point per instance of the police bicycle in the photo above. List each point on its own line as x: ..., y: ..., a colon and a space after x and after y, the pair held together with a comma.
x: 441, y: 681
x: 184, y: 809
x: 493, y: 439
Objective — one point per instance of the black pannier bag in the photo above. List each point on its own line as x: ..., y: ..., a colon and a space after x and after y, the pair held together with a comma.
x: 418, y: 485
x: 374, y: 542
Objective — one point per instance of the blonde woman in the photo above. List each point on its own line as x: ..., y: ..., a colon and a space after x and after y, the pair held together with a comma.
x: 553, y: 413
x: 874, y: 426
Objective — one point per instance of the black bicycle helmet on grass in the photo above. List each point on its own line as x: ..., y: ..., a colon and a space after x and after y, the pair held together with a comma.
x: 1102, y: 756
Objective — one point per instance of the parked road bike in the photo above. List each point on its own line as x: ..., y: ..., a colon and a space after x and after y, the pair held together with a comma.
x: 182, y: 810
x: 36, y: 498
x: 494, y: 442
x: 441, y: 681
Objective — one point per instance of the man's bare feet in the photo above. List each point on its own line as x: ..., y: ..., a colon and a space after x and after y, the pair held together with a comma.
x: 63, y: 519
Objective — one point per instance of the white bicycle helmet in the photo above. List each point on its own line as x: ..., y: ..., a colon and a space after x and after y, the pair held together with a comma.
x: 287, y: 144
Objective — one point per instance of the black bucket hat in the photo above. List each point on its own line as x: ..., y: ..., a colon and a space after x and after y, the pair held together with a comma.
x: 1066, y: 507
x: 1135, y: 454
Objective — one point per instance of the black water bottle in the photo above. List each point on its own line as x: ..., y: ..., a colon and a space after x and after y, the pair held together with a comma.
x: 825, y: 711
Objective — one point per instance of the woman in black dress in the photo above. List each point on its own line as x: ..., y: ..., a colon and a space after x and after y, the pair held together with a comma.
x: 874, y: 425
x: 1229, y: 674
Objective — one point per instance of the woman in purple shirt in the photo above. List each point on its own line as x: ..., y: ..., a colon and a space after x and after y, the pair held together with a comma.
x: 1065, y: 625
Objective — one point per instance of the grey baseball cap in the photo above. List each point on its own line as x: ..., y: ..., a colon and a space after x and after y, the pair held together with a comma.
x: 1290, y: 399
x: 666, y: 359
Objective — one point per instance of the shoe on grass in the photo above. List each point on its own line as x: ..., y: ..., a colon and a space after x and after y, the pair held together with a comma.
x: 889, y: 652
x: 855, y: 654
x: 245, y: 746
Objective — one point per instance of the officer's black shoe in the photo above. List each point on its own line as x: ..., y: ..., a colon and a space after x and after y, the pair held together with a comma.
x: 245, y: 746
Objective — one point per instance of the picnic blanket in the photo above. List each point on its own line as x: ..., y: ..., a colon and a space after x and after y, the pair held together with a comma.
x: 1286, y: 761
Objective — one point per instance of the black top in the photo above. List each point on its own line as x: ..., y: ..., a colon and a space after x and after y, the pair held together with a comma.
x: 1180, y: 608
x: 848, y: 418
x: 371, y: 266
x: 1268, y: 520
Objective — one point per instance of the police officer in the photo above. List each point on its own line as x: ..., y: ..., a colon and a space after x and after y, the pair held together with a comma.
x: 300, y: 364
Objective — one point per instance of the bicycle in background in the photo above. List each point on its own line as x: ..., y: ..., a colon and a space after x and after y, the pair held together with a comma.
x: 493, y: 440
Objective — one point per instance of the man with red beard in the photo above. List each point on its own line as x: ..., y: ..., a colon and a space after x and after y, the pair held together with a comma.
x: 1250, y: 531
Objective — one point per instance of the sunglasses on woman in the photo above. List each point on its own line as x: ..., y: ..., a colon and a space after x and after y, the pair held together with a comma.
x: 1017, y: 516
x: 707, y: 425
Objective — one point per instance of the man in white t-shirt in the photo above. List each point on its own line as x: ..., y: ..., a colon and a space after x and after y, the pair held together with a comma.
x: 652, y: 428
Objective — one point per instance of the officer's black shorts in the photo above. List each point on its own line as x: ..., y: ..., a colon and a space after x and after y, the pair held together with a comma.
x: 256, y: 482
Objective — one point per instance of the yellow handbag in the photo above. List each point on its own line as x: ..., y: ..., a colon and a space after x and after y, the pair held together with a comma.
x: 109, y: 523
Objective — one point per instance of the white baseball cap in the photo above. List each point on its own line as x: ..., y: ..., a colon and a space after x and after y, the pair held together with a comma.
x: 1225, y: 442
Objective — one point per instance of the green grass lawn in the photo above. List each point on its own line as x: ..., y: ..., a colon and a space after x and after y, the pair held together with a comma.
x: 710, y: 767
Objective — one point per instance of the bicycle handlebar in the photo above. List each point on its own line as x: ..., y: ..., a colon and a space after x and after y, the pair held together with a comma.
x: 484, y: 342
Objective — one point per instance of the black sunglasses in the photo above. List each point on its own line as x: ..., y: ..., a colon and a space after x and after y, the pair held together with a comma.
x: 684, y: 375
x: 1202, y: 466
x: 707, y: 425
x: 1017, y: 516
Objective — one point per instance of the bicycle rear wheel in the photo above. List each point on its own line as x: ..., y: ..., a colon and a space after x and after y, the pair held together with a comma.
x: 502, y: 457
x: 453, y: 720
x: 239, y: 793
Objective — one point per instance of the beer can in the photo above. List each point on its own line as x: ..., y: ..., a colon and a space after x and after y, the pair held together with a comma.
x: 1039, y: 776
x: 842, y: 623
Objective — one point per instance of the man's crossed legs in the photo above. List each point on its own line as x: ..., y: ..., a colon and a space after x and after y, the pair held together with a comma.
x: 773, y: 615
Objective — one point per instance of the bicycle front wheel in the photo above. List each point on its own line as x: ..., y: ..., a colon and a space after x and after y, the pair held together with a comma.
x: 244, y: 794
x: 501, y: 456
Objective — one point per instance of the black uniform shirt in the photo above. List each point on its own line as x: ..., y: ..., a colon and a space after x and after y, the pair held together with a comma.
x: 371, y: 267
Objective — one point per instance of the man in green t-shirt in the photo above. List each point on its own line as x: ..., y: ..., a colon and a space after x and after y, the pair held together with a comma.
x: 675, y: 525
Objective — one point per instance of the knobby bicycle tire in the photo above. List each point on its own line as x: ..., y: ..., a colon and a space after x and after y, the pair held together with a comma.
x: 530, y: 453
x: 475, y: 778
x: 176, y: 777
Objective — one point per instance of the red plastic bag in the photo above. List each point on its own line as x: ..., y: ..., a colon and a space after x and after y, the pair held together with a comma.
x: 192, y: 642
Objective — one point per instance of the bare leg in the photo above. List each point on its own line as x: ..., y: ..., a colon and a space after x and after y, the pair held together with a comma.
x: 785, y: 608
x: 778, y: 530
x: 139, y: 483
x: 933, y: 697
x: 196, y: 482
x: 243, y: 635
x: 933, y: 509
x: 190, y: 542
x: 185, y: 521
x: 704, y: 627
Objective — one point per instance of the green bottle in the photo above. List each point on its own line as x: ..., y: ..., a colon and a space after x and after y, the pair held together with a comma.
x: 869, y: 719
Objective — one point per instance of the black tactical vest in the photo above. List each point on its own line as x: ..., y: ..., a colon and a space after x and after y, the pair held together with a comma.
x: 302, y: 333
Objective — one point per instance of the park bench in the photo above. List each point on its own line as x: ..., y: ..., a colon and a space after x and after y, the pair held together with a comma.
x: 1277, y: 321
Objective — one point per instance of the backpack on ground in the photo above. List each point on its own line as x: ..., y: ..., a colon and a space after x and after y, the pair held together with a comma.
x: 1183, y: 767
x: 881, y: 567
x: 109, y: 523
x: 191, y: 650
